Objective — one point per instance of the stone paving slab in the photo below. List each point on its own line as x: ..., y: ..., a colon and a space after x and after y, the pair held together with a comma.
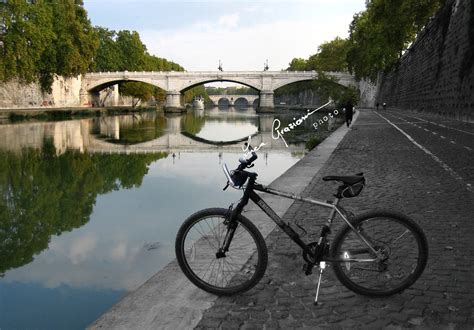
x: 400, y: 177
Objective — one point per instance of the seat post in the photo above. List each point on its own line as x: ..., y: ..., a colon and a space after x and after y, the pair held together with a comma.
x: 333, y: 211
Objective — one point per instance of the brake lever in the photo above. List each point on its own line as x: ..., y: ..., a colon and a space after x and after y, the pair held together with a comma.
x: 226, y: 186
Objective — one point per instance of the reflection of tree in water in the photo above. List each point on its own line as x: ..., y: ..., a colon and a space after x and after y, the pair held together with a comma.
x: 43, y: 194
x: 143, y: 130
x: 192, y: 124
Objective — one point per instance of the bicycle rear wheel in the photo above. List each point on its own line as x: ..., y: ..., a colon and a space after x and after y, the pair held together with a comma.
x: 197, y: 245
x: 402, y: 249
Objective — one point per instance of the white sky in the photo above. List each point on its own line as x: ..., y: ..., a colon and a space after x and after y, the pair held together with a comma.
x: 242, y: 34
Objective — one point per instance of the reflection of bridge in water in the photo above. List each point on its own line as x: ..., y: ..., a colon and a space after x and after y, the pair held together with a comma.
x: 102, y: 135
x: 175, y: 140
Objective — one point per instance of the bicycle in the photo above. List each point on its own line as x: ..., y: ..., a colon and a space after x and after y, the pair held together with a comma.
x: 379, y: 253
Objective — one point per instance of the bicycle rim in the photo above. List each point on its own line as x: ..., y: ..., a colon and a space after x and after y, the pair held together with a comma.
x: 228, y: 274
x: 400, y: 243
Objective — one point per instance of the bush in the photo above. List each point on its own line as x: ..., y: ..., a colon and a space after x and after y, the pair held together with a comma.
x: 313, y: 142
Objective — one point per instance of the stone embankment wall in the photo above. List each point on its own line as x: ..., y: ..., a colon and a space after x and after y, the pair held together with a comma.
x: 65, y: 93
x: 436, y: 74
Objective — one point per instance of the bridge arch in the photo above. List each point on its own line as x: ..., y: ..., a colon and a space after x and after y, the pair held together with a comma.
x: 224, y: 101
x: 289, y: 82
x: 341, y: 78
x: 193, y: 83
x: 91, y: 92
x: 241, y: 102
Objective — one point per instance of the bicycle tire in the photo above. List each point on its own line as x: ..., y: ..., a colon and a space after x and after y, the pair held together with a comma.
x: 405, y: 260
x: 251, y: 259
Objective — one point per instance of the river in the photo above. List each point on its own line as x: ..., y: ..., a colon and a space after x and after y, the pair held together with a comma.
x: 90, y: 208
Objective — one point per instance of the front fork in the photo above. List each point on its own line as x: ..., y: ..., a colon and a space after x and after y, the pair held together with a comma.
x: 231, y: 219
x: 232, y: 224
x: 231, y: 227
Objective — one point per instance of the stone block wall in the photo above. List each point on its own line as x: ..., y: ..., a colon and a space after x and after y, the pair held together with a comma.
x: 436, y: 74
x: 65, y: 93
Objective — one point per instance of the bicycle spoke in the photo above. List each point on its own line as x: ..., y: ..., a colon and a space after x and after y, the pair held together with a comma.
x: 206, y: 237
x: 396, y: 259
x: 398, y: 238
x: 229, y: 270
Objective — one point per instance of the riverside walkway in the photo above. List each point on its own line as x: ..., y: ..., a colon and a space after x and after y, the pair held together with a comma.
x: 414, y: 164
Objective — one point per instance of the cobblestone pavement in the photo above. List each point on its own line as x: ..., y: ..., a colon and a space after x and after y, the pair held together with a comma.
x: 400, y: 176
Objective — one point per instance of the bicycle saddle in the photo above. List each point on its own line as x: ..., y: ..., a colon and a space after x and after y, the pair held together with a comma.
x: 348, y: 179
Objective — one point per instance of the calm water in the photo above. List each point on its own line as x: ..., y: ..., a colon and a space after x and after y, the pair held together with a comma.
x: 89, y: 208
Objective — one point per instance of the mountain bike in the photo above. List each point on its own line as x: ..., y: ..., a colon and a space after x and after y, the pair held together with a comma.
x: 378, y: 253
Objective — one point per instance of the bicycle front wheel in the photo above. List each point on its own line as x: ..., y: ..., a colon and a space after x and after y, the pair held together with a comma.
x: 197, y: 245
x: 392, y: 261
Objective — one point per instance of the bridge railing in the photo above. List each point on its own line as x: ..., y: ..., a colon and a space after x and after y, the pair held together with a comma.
x: 184, y: 73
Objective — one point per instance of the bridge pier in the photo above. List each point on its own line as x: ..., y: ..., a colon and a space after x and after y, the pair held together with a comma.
x: 266, y: 102
x: 173, y: 102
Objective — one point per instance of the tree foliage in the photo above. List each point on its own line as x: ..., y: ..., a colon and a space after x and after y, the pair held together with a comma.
x: 124, y: 51
x: 325, y: 87
x: 42, y: 38
x: 380, y: 34
x: 196, y: 91
x: 331, y: 56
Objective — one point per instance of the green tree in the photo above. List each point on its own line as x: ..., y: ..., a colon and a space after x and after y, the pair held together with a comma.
x: 196, y: 91
x: 26, y: 34
x: 297, y: 64
x: 140, y: 92
x: 331, y: 56
x: 42, y: 38
x: 131, y: 51
x: 380, y: 34
x: 124, y: 51
x: 107, y: 57
x: 73, y: 48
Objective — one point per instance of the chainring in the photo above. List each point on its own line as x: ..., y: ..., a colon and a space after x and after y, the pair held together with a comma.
x: 308, y: 258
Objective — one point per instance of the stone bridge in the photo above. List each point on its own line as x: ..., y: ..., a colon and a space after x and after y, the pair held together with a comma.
x: 175, y: 83
x: 232, y: 99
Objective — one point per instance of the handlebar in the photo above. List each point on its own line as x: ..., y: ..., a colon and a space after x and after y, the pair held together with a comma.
x: 238, y: 177
x: 247, y: 163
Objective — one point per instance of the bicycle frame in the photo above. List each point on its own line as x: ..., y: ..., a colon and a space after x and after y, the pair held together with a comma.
x: 250, y: 194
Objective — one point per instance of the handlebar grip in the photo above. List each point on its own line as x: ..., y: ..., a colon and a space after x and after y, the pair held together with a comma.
x: 251, y: 159
x: 247, y: 162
